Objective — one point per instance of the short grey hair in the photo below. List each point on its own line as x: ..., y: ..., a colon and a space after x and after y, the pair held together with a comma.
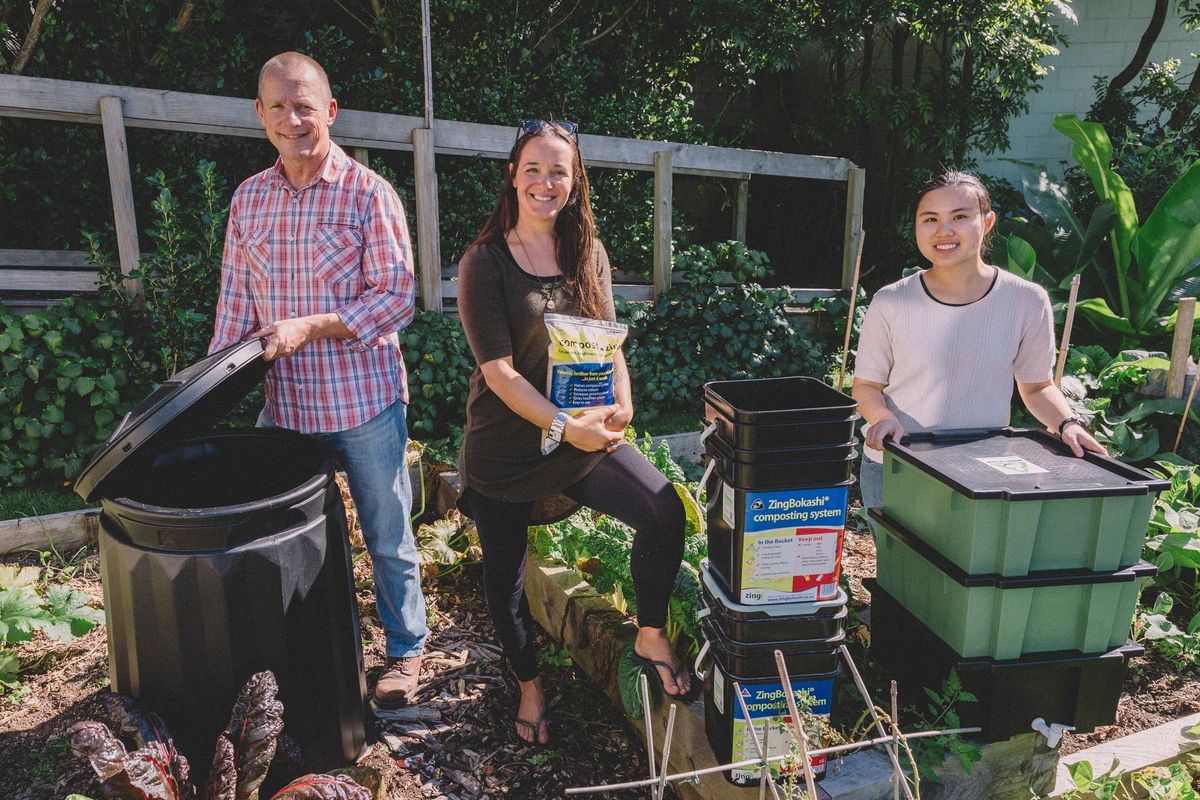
x: 292, y: 59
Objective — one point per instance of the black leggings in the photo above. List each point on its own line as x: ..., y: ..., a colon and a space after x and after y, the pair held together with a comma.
x: 623, y: 485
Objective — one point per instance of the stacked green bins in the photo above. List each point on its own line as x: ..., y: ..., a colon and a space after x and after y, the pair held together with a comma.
x: 742, y: 641
x: 779, y: 454
x: 1017, y: 562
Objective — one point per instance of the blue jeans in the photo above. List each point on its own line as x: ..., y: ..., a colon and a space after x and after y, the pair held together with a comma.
x: 373, y: 456
x: 870, y: 486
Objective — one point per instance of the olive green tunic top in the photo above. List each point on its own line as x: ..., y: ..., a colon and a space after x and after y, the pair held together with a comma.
x: 502, y: 308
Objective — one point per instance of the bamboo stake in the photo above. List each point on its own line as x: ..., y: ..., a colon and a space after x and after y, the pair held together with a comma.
x: 801, y: 737
x: 764, y: 774
x: 1065, y: 344
x: 1181, y: 345
x: 1187, y: 410
x: 696, y: 774
x: 895, y: 740
x: 862, y: 689
x: 862, y: 236
x: 666, y: 756
x: 644, y: 688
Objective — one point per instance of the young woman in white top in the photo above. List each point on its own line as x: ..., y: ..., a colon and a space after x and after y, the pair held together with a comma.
x: 940, y: 349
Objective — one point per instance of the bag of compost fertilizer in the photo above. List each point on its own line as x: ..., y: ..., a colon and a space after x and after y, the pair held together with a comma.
x: 580, y: 370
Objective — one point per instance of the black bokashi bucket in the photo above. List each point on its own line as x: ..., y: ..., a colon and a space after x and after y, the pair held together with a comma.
x: 768, y: 413
x: 811, y: 666
x: 773, y: 623
x: 223, y: 554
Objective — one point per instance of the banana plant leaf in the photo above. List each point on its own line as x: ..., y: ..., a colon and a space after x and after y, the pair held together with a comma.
x: 1096, y: 309
x: 1093, y: 151
x: 1022, y: 259
x: 254, y: 726
x: 1167, y: 246
x: 323, y: 787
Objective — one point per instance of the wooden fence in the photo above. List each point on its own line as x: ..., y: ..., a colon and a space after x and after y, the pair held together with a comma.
x: 116, y: 108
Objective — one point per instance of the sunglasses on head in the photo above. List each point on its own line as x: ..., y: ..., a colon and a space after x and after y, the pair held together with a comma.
x: 529, y: 127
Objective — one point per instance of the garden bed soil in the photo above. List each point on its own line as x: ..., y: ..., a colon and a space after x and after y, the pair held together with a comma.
x: 470, y: 752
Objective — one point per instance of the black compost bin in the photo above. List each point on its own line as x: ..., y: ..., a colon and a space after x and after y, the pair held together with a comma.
x: 222, y: 554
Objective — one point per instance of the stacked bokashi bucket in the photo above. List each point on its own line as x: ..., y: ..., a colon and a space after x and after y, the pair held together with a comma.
x: 779, y: 455
x: 1006, y: 559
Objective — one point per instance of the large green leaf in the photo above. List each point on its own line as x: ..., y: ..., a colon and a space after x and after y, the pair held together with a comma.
x: 1022, y: 260
x: 1168, y: 245
x: 20, y: 612
x: 1096, y: 309
x: 1049, y: 200
x: 1093, y: 151
x: 1099, y: 226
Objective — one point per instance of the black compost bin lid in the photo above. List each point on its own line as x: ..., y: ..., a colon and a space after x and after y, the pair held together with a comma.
x: 185, y: 404
x: 1019, y: 464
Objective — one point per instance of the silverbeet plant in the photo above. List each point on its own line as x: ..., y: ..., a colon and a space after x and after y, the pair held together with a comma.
x: 155, y: 770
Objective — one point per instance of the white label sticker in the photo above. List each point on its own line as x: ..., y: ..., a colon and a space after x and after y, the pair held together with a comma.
x: 718, y: 689
x: 727, y: 504
x: 1012, y: 465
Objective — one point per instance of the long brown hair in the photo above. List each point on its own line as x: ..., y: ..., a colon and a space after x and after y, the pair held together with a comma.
x: 574, y: 228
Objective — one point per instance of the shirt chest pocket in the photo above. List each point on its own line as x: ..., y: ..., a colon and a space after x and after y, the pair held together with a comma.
x: 337, y: 254
x: 257, y: 247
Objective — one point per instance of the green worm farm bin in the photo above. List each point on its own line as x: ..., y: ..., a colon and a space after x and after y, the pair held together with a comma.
x: 1012, y: 501
x: 1006, y: 617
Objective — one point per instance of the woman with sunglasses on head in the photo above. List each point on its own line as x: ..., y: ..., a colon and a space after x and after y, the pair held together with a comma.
x: 538, y: 254
x: 940, y: 349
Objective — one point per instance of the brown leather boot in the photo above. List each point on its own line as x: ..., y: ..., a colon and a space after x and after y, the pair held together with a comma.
x: 398, y: 682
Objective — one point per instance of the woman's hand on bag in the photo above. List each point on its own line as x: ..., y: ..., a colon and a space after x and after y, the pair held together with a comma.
x: 619, y: 420
x: 588, y: 431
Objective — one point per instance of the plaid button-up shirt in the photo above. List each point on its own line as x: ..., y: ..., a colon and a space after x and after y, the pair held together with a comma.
x: 338, y: 244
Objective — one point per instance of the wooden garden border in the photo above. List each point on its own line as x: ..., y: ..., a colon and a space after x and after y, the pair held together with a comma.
x: 116, y: 108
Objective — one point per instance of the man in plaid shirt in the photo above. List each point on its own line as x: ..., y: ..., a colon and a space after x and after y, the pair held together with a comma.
x: 318, y: 263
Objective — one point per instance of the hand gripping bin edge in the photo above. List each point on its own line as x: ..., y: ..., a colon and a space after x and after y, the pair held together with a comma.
x: 223, y: 554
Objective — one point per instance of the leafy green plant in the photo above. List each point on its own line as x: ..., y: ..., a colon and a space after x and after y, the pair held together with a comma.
x: 439, y: 364
x: 941, y: 711
x: 1154, y: 626
x: 1148, y: 260
x: 702, y: 330
x: 244, y: 751
x: 56, y: 609
x: 1172, y: 782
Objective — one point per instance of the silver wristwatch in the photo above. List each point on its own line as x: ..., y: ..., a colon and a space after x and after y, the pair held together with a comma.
x: 554, y: 434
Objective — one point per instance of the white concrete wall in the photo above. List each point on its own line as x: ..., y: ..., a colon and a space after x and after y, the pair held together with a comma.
x: 1102, y: 43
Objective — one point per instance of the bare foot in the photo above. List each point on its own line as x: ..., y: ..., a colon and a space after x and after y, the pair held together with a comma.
x: 532, y: 725
x: 652, y: 643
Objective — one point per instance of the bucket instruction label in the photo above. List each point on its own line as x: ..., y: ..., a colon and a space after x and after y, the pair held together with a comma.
x: 1012, y: 465
x: 727, y: 504
x: 792, y: 545
x: 767, y: 704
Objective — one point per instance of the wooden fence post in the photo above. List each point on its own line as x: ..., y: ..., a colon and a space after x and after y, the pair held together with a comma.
x: 361, y: 155
x: 1181, y: 346
x: 662, y: 221
x: 741, y: 202
x: 856, y: 178
x: 121, y: 185
x: 429, y: 244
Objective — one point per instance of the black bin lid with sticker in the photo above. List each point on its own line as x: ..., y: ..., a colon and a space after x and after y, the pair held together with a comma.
x: 189, y: 402
x: 1019, y: 464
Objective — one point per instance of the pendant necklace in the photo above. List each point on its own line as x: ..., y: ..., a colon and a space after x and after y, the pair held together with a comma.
x: 546, y: 288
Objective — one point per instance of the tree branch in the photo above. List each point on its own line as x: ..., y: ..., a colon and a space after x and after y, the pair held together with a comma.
x: 610, y: 28
x: 1187, y: 104
x: 31, y: 37
x: 1149, y: 37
